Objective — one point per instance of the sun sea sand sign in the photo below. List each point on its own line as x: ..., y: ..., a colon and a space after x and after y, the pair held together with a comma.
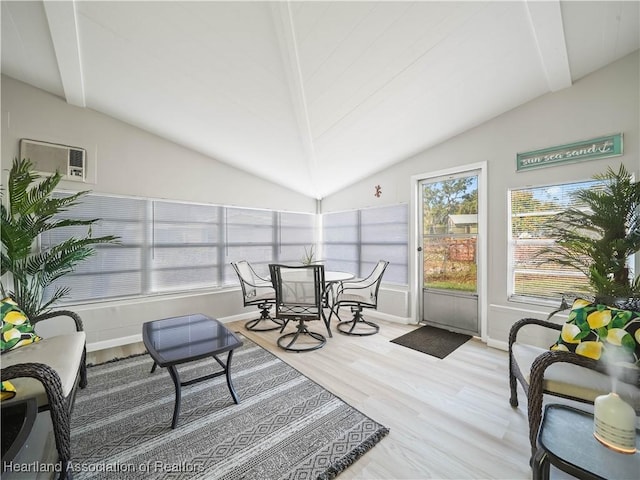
x: 602, y: 147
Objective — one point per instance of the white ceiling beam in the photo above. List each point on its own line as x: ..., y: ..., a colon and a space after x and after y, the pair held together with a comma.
x: 285, y: 30
x: 546, y: 20
x: 63, y: 26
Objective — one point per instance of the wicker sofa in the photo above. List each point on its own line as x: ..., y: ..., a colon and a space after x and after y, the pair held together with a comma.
x: 559, y: 373
x: 51, y: 370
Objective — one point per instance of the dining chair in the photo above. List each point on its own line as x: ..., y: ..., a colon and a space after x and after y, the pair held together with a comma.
x: 299, y: 294
x: 257, y: 291
x: 360, y: 294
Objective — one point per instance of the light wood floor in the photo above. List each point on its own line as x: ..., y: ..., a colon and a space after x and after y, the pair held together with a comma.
x: 448, y: 418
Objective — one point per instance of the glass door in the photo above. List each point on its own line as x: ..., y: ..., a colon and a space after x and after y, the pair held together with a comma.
x: 449, y: 215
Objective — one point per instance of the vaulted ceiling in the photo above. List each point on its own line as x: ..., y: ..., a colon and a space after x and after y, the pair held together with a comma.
x: 311, y: 95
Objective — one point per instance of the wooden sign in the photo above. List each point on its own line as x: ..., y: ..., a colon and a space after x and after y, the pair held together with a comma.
x: 601, y: 147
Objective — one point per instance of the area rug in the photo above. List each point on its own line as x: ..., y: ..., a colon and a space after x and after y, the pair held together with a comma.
x: 285, y: 427
x: 432, y: 341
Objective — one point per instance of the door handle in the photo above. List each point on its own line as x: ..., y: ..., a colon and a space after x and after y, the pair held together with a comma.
x: 419, y: 249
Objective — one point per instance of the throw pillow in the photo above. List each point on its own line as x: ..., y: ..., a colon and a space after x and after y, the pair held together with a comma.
x: 17, y: 330
x: 8, y: 391
x: 601, y: 332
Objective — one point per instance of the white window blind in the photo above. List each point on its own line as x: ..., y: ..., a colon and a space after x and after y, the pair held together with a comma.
x: 175, y: 246
x: 341, y: 240
x: 296, y: 233
x: 354, y: 241
x: 250, y: 236
x: 530, y: 209
x: 114, y: 270
x: 185, y: 246
x: 384, y: 236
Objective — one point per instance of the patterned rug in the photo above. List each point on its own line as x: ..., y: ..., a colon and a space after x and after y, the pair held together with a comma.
x: 285, y: 427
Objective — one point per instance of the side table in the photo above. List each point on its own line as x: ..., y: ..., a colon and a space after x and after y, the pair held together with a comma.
x: 28, y: 447
x: 177, y: 340
x: 566, y: 441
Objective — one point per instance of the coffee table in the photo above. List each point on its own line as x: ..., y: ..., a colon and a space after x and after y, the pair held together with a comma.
x: 176, y: 340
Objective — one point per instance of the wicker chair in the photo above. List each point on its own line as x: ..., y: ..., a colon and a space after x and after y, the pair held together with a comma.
x: 54, y: 391
x: 559, y: 373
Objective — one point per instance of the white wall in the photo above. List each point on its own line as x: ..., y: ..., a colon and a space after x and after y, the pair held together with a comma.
x: 602, y: 103
x: 125, y: 160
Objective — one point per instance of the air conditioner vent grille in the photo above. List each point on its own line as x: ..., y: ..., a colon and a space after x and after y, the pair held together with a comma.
x: 48, y: 158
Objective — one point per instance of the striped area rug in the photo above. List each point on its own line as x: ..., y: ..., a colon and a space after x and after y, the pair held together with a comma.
x: 285, y: 427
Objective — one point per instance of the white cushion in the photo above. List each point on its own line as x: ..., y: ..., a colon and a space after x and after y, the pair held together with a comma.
x: 573, y: 380
x: 62, y: 353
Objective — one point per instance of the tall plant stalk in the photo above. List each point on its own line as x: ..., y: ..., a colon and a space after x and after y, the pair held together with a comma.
x: 599, y: 239
x: 27, y: 269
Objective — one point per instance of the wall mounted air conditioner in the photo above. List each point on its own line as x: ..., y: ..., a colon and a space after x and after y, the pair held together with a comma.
x: 49, y: 157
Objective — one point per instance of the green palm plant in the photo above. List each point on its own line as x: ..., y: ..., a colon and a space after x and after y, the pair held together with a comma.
x: 599, y: 239
x: 32, y: 211
x: 309, y: 256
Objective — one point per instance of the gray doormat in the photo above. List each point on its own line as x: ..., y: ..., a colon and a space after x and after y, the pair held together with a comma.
x: 432, y: 341
x: 285, y: 427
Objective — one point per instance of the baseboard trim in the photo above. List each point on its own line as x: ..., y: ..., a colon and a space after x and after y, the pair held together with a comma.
x: 498, y: 344
x: 113, y: 343
x: 119, y: 342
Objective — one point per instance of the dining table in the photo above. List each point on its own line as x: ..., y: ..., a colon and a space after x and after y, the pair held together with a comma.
x: 331, y: 280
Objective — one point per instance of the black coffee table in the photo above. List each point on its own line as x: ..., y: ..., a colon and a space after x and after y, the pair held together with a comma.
x: 176, y: 340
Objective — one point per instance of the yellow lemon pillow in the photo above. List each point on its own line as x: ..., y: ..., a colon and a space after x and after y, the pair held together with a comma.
x: 602, y: 333
x: 17, y: 330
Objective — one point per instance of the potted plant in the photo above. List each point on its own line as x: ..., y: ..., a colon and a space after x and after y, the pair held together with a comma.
x: 309, y: 256
x: 27, y: 269
x: 599, y: 238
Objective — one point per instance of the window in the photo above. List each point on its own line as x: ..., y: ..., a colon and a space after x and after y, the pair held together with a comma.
x: 296, y: 233
x: 250, y: 236
x: 354, y: 241
x: 529, y: 210
x: 185, y: 246
x: 114, y: 270
x: 175, y: 246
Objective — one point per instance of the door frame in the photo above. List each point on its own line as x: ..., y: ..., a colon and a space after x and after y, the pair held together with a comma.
x: 415, y: 308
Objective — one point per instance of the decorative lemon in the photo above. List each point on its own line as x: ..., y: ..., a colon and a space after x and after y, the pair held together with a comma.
x: 615, y: 335
x: 590, y: 349
x: 570, y: 332
x: 12, y: 334
x: 599, y: 319
x: 561, y: 347
x: 15, y: 318
x: 579, y: 303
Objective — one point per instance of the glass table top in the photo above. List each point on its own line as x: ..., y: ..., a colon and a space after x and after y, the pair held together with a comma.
x: 567, y: 434
x: 187, y: 338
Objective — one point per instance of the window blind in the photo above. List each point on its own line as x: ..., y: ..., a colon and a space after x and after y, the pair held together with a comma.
x: 530, y: 209
x: 185, y: 246
x: 354, y: 241
x: 251, y: 236
x: 114, y: 270
x: 296, y: 233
